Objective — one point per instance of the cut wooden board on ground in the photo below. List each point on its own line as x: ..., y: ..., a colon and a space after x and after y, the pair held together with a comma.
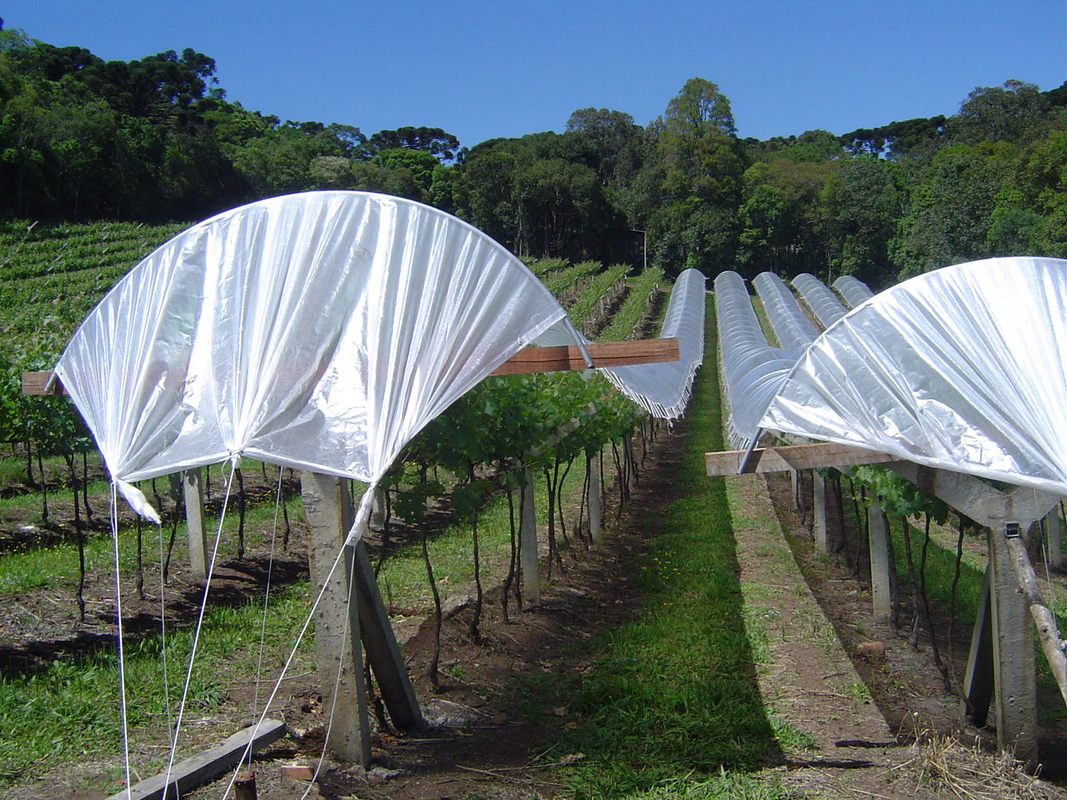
x: 205, y: 766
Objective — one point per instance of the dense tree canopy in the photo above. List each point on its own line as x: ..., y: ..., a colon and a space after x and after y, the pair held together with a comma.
x: 156, y: 138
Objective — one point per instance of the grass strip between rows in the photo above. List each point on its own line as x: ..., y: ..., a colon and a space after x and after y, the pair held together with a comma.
x: 671, y: 707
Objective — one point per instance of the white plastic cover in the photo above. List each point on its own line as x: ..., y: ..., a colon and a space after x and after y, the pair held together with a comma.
x: 853, y: 290
x: 964, y: 368
x: 791, y: 325
x: 319, y: 331
x: 752, y: 370
x: 663, y: 389
x: 822, y: 302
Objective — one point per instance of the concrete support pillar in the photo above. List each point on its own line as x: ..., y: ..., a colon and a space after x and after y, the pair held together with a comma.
x: 881, y: 581
x: 818, y: 484
x: 596, y: 528
x: 377, y: 514
x: 1014, y: 660
x: 1054, y: 527
x: 978, y: 680
x: 531, y: 570
x: 328, y: 511
x: 794, y: 483
x: 192, y: 489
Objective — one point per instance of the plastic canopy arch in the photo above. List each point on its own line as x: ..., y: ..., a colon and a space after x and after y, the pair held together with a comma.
x: 853, y: 290
x: 319, y: 331
x: 792, y: 327
x: 751, y: 368
x: 963, y: 368
x: 822, y: 302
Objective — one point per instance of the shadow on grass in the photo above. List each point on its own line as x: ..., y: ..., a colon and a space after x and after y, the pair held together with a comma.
x: 672, y: 694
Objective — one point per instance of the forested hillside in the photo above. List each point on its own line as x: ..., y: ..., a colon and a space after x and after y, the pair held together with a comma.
x: 157, y: 140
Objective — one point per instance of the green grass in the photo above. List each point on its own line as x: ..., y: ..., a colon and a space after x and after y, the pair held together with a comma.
x: 671, y: 707
x: 634, y: 307
x: 70, y: 711
x: 402, y: 578
x: 56, y: 565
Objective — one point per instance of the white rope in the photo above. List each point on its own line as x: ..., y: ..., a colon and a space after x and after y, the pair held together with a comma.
x: 266, y: 593
x: 196, y: 630
x: 163, y: 629
x: 288, y: 663
x: 121, y: 654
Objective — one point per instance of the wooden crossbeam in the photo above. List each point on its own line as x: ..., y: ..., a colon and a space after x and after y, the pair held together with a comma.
x: 530, y: 359
x: 44, y: 382
x: 603, y: 354
x: 798, y: 456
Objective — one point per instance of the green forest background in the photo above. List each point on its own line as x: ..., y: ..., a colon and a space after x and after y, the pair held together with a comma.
x: 156, y: 140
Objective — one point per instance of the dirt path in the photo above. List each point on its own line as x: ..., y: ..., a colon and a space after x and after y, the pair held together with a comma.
x: 488, y: 738
x: 846, y: 748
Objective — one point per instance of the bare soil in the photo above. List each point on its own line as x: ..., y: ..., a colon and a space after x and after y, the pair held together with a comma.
x: 862, y: 716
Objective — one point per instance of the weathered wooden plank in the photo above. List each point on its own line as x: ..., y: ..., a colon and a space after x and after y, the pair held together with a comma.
x: 44, y: 382
x: 531, y: 359
x: 203, y: 767
x: 794, y: 457
x: 604, y: 354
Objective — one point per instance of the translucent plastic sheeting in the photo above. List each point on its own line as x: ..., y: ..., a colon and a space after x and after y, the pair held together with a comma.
x: 791, y: 325
x: 319, y: 331
x: 663, y: 389
x: 853, y: 290
x: 964, y: 369
x: 822, y: 302
x: 752, y: 370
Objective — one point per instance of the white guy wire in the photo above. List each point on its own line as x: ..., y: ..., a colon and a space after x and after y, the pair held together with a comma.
x: 288, y: 662
x: 266, y: 600
x: 121, y: 654
x: 163, y: 629
x: 196, y: 630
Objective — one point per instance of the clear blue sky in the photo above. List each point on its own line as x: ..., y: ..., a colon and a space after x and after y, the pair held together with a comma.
x: 486, y: 69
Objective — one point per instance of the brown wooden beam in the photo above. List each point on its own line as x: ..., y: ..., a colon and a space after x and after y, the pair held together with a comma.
x: 799, y: 456
x: 530, y: 359
x: 603, y: 354
x: 38, y: 383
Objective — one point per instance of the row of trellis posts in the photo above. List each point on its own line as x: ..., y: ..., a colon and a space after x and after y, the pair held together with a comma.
x: 1001, y: 669
x: 351, y: 617
x: 1000, y: 673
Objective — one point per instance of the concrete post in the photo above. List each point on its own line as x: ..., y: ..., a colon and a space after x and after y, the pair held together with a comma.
x: 596, y: 528
x: 192, y: 489
x: 794, y: 483
x: 1054, y: 526
x: 978, y: 680
x: 531, y: 570
x: 818, y: 484
x: 328, y: 511
x: 1014, y: 660
x: 881, y: 581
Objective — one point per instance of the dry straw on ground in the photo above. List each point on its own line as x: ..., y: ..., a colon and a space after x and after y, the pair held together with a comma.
x: 946, y: 765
